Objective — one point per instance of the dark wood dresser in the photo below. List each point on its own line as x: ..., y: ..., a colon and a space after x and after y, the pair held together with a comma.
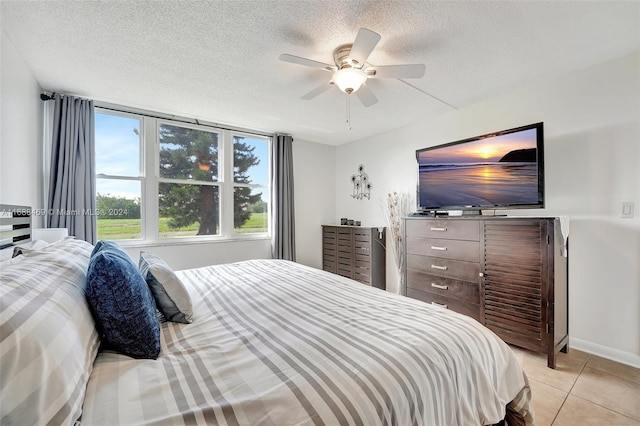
x: 356, y: 252
x: 507, y: 273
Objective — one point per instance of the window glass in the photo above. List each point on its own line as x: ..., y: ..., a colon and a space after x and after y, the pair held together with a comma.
x: 118, y: 176
x: 117, y: 141
x: 250, y: 160
x: 118, y: 209
x: 251, y: 177
x: 187, y: 153
x: 188, y: 210
x: 250, y: 211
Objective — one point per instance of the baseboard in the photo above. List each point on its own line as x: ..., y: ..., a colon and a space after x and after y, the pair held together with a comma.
x: 605, y: 352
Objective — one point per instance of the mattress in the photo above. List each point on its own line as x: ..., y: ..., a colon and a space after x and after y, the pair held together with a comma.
x: 277, y: 343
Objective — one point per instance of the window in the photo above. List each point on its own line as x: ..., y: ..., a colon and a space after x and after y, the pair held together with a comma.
x: 251, y: 178
x: 176, y: 180
x: 119, y: 176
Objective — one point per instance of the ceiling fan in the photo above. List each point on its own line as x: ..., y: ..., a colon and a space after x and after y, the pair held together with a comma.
x: 351, y: 71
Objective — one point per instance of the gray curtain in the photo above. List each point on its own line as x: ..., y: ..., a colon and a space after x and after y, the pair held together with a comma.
x: 283, y: 245
x: 72, y: 187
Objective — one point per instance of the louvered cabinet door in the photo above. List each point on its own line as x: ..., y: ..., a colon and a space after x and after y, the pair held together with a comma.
x: 362, y: 255
x: 330, y: 249
x: 346, y: 259
x: 515, y: 284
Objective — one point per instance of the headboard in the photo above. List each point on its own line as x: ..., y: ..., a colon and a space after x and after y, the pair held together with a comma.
x: 15, y: 224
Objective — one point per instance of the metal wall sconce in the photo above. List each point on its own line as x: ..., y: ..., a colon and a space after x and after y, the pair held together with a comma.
x: 361, y: 185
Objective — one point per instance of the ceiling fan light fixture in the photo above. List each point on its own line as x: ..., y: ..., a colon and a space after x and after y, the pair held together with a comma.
x: 349, y: 80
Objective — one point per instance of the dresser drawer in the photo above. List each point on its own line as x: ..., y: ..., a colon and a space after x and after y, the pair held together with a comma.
x: 447, y: 287
x: 448, y: 268
x: 455, y: 229
x: 450, y: 249
x: 469, y: 309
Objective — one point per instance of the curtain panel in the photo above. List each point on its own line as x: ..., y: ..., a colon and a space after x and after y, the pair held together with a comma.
x: 71, y: 202
x: 283, y: 240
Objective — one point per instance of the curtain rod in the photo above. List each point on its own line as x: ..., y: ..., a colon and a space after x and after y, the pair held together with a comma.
x: 117, y: 108
x: 172, y: 117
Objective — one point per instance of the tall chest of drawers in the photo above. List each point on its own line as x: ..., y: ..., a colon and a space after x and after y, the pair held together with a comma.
x: 443, y: 264
x: 356, y: 252
x: 507, y: 273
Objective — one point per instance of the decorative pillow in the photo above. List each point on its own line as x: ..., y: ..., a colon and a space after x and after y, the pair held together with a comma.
x: 49, y: 338
x: 172, y: 299
x: 121, y: 302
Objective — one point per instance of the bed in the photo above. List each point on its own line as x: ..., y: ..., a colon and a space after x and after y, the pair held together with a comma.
x: 267, y: 342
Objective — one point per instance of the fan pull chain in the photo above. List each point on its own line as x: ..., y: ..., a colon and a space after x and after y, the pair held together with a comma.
x: 348, y: 112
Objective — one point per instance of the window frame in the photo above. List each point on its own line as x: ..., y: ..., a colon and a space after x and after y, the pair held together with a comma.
x: 150, y: 180
x: 235, y: 184
x: 141, y: 178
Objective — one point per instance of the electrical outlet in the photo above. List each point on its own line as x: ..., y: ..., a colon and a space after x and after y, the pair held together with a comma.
x: 627, y: 209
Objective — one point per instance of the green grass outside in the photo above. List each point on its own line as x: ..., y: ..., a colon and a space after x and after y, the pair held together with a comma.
x: 125, y: 229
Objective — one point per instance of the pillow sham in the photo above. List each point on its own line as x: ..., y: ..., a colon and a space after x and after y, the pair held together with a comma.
x: 122, y: 303
x: 49, y: 339
x: 172, y: 299
x: 31, y: 246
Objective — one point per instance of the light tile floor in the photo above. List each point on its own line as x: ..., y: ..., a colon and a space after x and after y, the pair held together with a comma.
x: 584, y: 389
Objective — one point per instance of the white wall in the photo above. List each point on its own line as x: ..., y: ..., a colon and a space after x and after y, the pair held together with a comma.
x: 315, y: 202
x: 592, y: 158
x: 21, y: 113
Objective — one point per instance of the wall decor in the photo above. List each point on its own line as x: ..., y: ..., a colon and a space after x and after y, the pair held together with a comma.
x: 361, y: 184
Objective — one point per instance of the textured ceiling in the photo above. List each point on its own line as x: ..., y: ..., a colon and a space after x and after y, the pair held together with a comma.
x: 218, y: 61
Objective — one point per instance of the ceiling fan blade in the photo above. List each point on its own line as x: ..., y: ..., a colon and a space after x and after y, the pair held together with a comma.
x: 307, y: 62
x: 366, y: 95
x: 363, y: 45
x: 397, y: 71
x: 317, y: 91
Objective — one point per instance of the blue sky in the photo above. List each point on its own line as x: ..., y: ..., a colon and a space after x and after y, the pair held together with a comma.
x: 118, y: 153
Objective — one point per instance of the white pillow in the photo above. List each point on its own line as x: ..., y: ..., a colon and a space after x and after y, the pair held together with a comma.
x: 172, y: 298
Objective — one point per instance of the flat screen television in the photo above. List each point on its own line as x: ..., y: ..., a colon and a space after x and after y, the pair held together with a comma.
x: 501, y: 170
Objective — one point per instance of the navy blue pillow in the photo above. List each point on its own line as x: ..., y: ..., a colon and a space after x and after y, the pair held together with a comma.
x: 121, y: 303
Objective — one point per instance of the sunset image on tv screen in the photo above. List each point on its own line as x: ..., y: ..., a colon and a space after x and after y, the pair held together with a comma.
x: 493, y: 171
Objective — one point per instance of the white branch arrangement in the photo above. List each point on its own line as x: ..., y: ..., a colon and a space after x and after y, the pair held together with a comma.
x: 398, y: 205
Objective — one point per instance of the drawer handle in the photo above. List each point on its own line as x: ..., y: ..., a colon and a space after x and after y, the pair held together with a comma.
x: 441, y: 268
x: 441, y: 305
x: 438, y: 248
x: 441, y: 287
x: 433, y: 228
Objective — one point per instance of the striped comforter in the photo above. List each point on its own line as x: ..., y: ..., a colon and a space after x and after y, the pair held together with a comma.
x: 277, y: 343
